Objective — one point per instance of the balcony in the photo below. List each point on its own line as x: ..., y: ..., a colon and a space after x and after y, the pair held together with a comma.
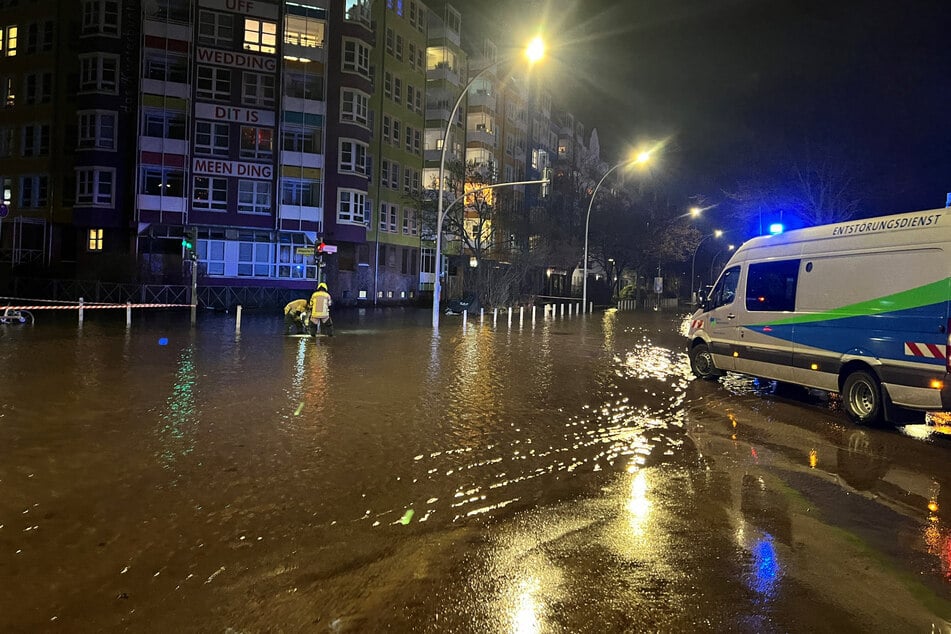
x: 160, y: 203
x: 308, y: 53
x: 173, y: 30
x: 302, y: 212
x: 442, y: 72
x: 479, y: 135
x: 310, y: 106
x: 482, y: 99
x: 167, y: 88
x: 162, y: 145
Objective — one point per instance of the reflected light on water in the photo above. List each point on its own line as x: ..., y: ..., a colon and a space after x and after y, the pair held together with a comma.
x: 179, y: 412
x: 638, y: 505
x: 608, y: 327
x: 766, y: 570
x: 525, y: 615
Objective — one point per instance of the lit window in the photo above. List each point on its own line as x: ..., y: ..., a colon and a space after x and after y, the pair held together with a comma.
x: 210, y: 193
x: 304, y: 31
x: 97, y: 130
x: 260, y: 35
x: 254, y: 197
x: 8, y: 41
x: 95, y: 240
x: 95, y: 187
x: 351, y: 206
x: 257, y: 143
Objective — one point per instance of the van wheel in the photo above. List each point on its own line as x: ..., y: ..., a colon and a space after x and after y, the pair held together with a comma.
x: 862, y: 398
x: 701, y: 363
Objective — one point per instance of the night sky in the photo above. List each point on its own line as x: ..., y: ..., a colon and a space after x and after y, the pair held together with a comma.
x: 739, y: 88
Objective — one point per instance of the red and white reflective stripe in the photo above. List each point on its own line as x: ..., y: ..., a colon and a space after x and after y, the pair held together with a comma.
x: 696, y: 324
x: 92, y: 306
x: 927, y: 350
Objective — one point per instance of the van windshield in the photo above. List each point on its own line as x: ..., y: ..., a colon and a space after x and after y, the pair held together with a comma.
x: 725, y: 290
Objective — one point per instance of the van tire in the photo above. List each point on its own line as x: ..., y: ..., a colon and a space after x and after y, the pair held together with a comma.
x: 862, y: 398
x: 701, y: 363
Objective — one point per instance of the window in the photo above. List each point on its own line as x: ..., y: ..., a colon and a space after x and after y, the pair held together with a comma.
x: 305, y: 31
x: 165, y: 67
x: 39, y: 37
x: 772, y: 286
x: 725, y: 291
x: 304, y: 86
x: 410, y: 222
x: 99, y: 73
x: 260, y: 35
x: 9, y: 92
x: 356, y: 57
x: 388, y: 217
x: 397, y: 90
x: 6, y: 142
x: 351, y: 206
x: 258, y: 90
x: 301, y: 138
x: 254, y: 197
x: 388, y: 85
x: 257, y: 143
x: 97, y: 130
x: 37, y: 88
x: 216, y: 29
x: 213, y: 83
x: 211, y: 138
x: 389, y: 41
x: 254, y: 259
x: 159, y: 181
x: 357, y: 11
x: 411, y: 54
x: 34, y: 191
x: 36, y: 140
x: 395, y: 175
x: 165, y: 124
x: 210, y: 193
x: 100, y: 17
x: 395, y: 138
x: 94, y: 240
x: 95, y: 186
x: 387, y: 126
x: 399, y: 48
x: 8, y: 40
x: 300, y: 192
x: 353, y: 106
x: 212, y: 253
x: 353, y: 157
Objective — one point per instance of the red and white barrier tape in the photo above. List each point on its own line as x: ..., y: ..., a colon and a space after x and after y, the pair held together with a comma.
x: 93, y: 306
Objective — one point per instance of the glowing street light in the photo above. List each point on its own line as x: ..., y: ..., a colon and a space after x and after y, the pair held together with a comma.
x: 534, y: 52
x: 640, y: 159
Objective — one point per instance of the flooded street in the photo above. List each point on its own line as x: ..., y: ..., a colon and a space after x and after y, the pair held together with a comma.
x: 563, y: 476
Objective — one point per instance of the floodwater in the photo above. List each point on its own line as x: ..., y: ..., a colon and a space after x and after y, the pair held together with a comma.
x: 563, y: 476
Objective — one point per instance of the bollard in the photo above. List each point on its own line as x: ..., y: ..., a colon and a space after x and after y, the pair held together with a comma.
x: 481, y: 315
x: 545, y: 315
x: 128, y: 313
x: 521, y: 315
x: 533, y: 314
x: 237, y: 319
x: 465, y: 320
x: 510, y: 316
x: 562, y: 310
x: 590, y: 307
x: 80, y: 311
x: 495, y: 316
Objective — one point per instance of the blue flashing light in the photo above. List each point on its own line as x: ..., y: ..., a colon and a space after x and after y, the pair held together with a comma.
x: 776, y: 227
x: 163, y: 341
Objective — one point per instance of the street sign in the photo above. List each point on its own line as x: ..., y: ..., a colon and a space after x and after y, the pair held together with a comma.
x: 4, y: 210
x: 304, y: 251
x: 658, y: 285
x: 329, y: 248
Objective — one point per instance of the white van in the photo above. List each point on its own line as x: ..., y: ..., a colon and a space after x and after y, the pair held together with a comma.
x: 860, y: 308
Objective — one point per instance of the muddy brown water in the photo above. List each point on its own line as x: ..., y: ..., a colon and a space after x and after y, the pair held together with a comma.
x: 562, y: 476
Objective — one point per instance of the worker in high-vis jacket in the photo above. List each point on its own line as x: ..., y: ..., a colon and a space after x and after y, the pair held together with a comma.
x: 319, y: 307
x: 294, y: 314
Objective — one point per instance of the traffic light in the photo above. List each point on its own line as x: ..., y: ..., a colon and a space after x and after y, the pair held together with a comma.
x: 321, y: 246
x: 190, y: 243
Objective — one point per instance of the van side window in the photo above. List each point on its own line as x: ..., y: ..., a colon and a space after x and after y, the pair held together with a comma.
x: 725, y: 290
x: 772, y: 286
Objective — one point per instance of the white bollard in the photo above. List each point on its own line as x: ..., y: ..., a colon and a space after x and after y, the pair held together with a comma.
x: 495, y: 316
x: 128, y: 313
x: 80, y: 310
x: 590, y: 307
x: 533, y: 314
x: 562, y: 309
x: 481, y: 315
x: 510, y: 316
x: 521, y: 315
x: 237, y: 319
x: 465, y: 320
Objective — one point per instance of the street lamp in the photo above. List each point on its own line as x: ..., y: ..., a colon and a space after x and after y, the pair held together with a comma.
x: 534, y: 52
x: 693, y: 263
x: 641, y: 158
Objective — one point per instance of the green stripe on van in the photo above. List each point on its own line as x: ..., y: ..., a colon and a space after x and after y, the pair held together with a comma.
x: 934, y: 293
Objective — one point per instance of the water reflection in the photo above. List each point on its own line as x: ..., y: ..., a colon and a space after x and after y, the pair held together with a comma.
x: 176, y: 423
x: 638, y: 504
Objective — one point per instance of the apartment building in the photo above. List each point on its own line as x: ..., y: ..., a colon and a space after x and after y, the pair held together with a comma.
x: 398, y: 103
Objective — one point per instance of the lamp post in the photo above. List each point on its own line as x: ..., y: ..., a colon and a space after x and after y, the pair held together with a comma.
x: 533, y: 52
x: 713, y: 265
x: 693, y: 263
x: 643, y: 157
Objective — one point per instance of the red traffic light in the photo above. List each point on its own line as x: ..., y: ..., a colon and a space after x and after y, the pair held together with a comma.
x: 320, y: 247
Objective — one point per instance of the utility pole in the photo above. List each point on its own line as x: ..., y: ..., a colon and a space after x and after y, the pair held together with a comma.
x: 190, y: 244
